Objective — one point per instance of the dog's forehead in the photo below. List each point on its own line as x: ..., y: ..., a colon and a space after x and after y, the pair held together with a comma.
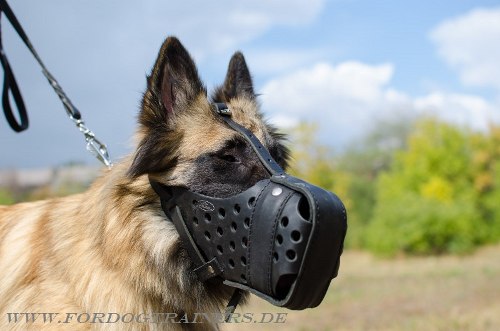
x: 203, y: 132
x: 245, y: 113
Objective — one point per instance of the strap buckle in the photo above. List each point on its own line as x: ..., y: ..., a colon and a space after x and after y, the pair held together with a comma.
x: 222, y: 109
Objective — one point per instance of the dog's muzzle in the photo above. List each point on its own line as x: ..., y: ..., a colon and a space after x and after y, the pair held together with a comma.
x: 281, y: 239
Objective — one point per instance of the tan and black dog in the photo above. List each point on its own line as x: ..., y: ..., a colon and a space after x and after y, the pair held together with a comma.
x: 111, y: 248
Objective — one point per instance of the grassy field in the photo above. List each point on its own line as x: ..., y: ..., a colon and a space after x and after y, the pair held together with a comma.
x: 432, y: 293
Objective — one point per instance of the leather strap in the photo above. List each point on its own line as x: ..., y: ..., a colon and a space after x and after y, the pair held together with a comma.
x: 10, y: 85
x: 9, y: 80
x: 233, y: 302
x: 267, y: 160
x: 204, y: 269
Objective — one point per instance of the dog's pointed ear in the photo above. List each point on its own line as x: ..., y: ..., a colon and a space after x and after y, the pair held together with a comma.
x: 172, y: 86
x: 238, y: 81
x: 174, y: 82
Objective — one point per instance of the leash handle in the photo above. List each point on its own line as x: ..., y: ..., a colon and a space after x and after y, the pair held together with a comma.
x: 10, y: 84
x: 94, y: 146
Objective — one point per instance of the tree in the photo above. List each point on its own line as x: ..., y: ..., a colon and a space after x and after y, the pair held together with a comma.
x: 362, y: 162
x: 351, y: 174
x: 486, y: 179
x: 426, y: 202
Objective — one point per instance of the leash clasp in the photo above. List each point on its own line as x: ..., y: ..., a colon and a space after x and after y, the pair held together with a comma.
x: 94, y: 145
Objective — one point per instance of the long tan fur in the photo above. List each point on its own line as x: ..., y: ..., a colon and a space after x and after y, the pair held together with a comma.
x: 111, y: 249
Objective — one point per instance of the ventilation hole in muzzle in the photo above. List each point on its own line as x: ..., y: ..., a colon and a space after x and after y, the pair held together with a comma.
x: 243, y: 278
x: 219, y: 231
x: 232, y: 246
x: 244, y: 242
x: 283, y: 285
x: 251, y: 202
x: 195, y: 221
x: 284, y: 222
x: 275, y: 257
x: 207, y: 235
x: 243, y: 261
x: 295, y: 236
x: 234, y: 227
x: 222, y: 213
x: 237, y: 209
x: 304, y: 208
x: 195, y: 202
x: 231, y: 263
x: 279, y: 239
x: 220, y: 250
x: 208, y: 218
x: 246, y: 223
x: 291, y: 255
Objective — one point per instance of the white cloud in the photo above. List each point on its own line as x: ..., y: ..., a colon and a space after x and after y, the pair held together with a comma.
x: 344, y: 99
x: 348, y: 98
x: 470, y: 110
x: 471, y: 44
x: 323, y: 83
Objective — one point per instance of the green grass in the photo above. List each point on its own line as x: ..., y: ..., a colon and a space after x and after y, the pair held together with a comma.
x: 422, y: 293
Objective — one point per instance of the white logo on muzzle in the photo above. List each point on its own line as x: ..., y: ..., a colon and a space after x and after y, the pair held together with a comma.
x: 205, y: 205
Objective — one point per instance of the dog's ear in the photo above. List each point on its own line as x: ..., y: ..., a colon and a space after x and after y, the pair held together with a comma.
x: 171, y: 87
x: 238, y: 81
x: 173, y: 84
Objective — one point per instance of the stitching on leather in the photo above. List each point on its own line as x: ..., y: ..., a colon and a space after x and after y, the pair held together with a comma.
x: 314, y: 235
x: 249, y: 247
x: 271, y: 246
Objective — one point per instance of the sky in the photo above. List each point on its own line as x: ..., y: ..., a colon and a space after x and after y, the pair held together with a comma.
x: 344, y: 64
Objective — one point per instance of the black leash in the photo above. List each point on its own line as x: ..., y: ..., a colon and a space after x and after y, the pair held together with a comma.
x: 94, y: 146
x: 9, y: 81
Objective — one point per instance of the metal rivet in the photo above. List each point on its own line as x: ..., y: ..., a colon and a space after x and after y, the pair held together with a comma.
x: 210, y: 269
x: 277, y: 191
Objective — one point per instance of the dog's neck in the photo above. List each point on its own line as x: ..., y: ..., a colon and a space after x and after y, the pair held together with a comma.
x: 147, y: 253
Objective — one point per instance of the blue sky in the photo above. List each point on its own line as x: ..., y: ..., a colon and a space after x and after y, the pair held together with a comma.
x: 344, y: 64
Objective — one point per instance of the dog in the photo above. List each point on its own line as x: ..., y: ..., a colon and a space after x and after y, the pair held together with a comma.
x: 111, y: 249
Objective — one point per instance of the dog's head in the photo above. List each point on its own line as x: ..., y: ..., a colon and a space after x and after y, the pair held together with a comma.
x: 197, y: 154
x: 183, y: 142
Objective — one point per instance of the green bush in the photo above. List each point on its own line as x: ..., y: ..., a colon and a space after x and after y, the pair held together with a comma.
x: 422, y: 187
x: 427, y: 202
x: 6, y: 198
x: 418, y: 225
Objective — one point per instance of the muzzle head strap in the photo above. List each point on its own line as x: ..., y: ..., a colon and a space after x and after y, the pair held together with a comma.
x: 261, y: 151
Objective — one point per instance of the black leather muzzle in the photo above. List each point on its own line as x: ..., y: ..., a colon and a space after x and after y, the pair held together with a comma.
x: 281, y: 239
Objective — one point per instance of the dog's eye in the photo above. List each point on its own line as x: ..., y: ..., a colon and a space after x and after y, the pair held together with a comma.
x: 232, y: 151
x: 229, y: 158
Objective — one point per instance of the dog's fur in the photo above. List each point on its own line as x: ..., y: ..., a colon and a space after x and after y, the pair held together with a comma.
x: 111, y: 248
